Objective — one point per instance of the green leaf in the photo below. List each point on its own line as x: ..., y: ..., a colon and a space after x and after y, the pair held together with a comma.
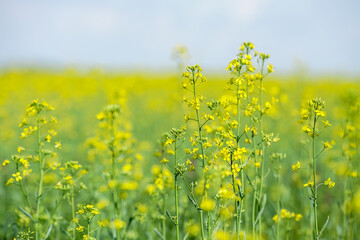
x: 48, y: 232
x: 66, y: 232
x: 192, y: 201
x: 159, y: 234
x: 262, y: 209
x: 27, y: 214
x: 168, y: 214
x: 324, y: 226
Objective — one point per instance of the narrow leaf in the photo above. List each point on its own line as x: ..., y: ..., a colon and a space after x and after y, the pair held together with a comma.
x: 324, y: 226
x: 66, y: 232
x: 159, y: 234
x: 247, y: 177
x: 27, y: 214
x: 267, y: 173
x: 48, y: 232
x: 168, y: 214
x: 192, y: 201
x: 262, y: 210
x: 246, y: 162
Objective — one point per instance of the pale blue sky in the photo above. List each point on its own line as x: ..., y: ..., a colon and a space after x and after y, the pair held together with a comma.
x: 323, y: 35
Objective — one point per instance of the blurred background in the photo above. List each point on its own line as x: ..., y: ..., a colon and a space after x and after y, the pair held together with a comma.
x: 319, y: 36
x: 82, y: 55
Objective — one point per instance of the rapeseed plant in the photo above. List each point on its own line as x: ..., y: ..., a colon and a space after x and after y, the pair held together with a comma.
x: 311, y: 115
x: 221, y: 178
x: 36, y: 122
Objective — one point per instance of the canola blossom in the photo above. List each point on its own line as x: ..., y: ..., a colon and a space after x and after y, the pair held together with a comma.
x: 192, y: 155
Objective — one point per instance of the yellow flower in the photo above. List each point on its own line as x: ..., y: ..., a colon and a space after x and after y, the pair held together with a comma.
x: 17, y: 176
x: 306, y: 129
x: 10, y: 181
x: 150, y: 189
x: 222, y: 235
x: 207, y: 204
x: 48, y: 138
x: 68, y: 179
x: 129, y: 185
x: 171, y: 152
x: 193, y: 229
x: 309, y: 184
x: 112, y: 184
x: 326, y: 123
x: 52, y: 132
x: 118, y: 224
x: 102, y: 223
x: 296, y: 166
x: 169, y: 141
x: 101, y: 116
x: 80, y: 228
x: 329, y: 183
x: 95, y: 211
x: 75, y: 220
x: 246, y: 128
x: 298, y: 217
x: 320, y: 113
x: 270, y: 68
x: 26, y: 172
x: 326, y: 144
x: 5, y: 162
x: 58, y: 145
x: 102, y: 203
x: 23, y: 123
x: 164, y: 160
x: 275, y: 218
x: 127, y: 167
x: 20, y: 149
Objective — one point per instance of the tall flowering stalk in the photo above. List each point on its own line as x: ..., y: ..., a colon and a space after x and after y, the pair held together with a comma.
x: 243, y: 83
x: 276, y: 159
x: 110, y: 116
x: 36, y: 122
x: 173, y: 139
x: 351, y: 143
x: 193, y: 78
x: 70, y: 186
x: 312, y: 115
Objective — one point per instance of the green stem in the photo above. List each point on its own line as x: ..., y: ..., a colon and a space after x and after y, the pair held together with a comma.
x: 113, y: 171
x: 262, y: 145
x: 202, y: 224
x: 24, y: 192
x: 236, y: 206
x: 203, y: 159
x: 209, y: 225
x: 88, y: 230
x: 278, y: 208
x: 238, y: 215
x: 40, y: 187
x: 316, y: 230
x: 254, y: 207
x: 72, y: 196
x: 164, y: 206
x: 344, y: 211
x: 197, y: 207
x: 176, y: 194
x: 255, y: 188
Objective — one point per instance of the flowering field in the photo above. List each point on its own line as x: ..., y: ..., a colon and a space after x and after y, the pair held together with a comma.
x: 247, y: 155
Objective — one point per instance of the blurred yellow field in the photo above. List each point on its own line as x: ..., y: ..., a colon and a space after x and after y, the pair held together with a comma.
x: 97, y: 154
